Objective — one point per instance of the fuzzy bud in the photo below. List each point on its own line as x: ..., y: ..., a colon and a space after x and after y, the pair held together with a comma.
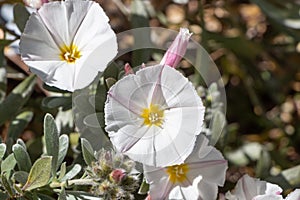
x: 117, y: 175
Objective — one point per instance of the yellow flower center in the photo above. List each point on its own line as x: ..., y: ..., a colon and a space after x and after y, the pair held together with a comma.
x: 153, y: 115
x: 69, y: 53
x: 177, y: 173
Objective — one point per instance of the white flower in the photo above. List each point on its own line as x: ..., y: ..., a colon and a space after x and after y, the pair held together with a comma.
x: 198, y: 178
x: 295, y: 195
x: 66, y: 43
x: 248, y: 188
x: 35, y: 3
x: 154, y: 116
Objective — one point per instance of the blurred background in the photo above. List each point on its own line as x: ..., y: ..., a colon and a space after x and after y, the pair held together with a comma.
x: 256, y: 46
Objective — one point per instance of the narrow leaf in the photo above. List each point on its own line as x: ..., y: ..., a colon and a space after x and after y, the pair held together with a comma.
x: 18, y: 125
x: 72, y: 173
x: 45, y: 197
x: 110, y: 82
x: 51, y: 140
x: 2, y: 150
x: 16, y: 99
x: 3, y: 81
x: 8, y: 164
x: 62, y: 195
x: 62, y: 172
x: 55, y: 102
x: 144, y: 188
x: 263, y: 165
x: 63, y: 149
x: 140, y: 18
x: 21, y: 16
x: 87, y: 151
x: 292, y: 175
x: 39, y: 174
x: 218, y: 123
x: 22, y: 158
x: 7, y: 185
x: 21, y: 177
x: 21, y: 142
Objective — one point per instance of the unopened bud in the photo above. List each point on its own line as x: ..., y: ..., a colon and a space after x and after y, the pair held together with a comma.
x: 177, y: 49
x: 117, y: 175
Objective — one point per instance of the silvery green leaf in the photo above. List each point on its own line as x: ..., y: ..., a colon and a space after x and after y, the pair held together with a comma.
x: 16, y: 99
x: 144, y: 188
x: 7, y: 185
x: 72, y: 173
x: 2, y: 150
x: 87, y: 151
x: 62, y: 172
x: 217, y: 126
x: 18, y: 125
x: 63, y: 149
x: 22, y: 158
x: 263, y: 165
x: 3, y: 81
x: 20, y: 176
x: 8, y: 163
x: 78, y: 195
x: 39, y: 174
x: 59, y: 101
x: 292, y: 175
x: 51, y: 140
x: 21, y: 142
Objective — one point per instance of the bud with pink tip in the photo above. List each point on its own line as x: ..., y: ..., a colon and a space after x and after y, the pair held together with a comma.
x: 117, y: 175
x: 148, y: 197
x: 128, y: 69
x: 177, y: 49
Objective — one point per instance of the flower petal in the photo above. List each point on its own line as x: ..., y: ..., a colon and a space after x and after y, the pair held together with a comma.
x: 177, y: 49
x: 248, y: 188
x: 159, y: 182
x: 36, y: 42
x: 98, y: 30
x: 62, y: 18
x: 190, y: 191
x: 213, y: 171
x: 295, y: 195
x: 273, y: 189
x: 52, y: 34
x: 268, y: 197
x: 176, y: 135
x: 208, y: 190
x: 59, y: 79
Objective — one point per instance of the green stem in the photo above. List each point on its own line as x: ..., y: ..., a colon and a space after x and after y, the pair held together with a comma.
x: 72, y: 182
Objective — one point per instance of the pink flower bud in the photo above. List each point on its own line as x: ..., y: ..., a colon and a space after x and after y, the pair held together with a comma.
x: 148, y: 197
x: 117, y: 175
x: 177, y: 49
x: 128, y: 69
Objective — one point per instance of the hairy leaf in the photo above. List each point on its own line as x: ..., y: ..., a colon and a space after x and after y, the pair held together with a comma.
x: 39, y: 174
x: 22, y: 158
x: 87, y: 151
x: 51, y: 140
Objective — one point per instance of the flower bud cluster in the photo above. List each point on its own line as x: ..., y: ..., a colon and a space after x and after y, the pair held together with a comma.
x: 113, y: 177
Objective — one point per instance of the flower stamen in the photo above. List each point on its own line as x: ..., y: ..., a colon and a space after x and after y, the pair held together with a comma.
x: 153, y: 115
x: 177, y: 173
x: 69, y: 53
